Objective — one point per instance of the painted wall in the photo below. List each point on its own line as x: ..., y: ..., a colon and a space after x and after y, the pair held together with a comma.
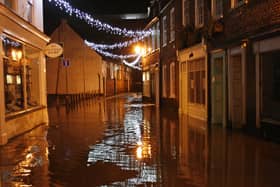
x: 84, y: 73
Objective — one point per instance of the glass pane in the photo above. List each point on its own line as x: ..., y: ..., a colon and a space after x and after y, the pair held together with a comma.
x: 32, y: 58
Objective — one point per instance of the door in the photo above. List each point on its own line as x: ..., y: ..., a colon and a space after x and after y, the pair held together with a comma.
x: 236, y: 90
x: 184, y: 81
x: 217, y: 96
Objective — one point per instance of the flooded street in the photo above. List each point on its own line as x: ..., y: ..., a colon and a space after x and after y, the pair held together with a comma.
x: 121, y: 141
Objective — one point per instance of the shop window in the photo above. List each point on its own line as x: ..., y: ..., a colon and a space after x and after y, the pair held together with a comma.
x: 197, y: 81
x: 21, y: 76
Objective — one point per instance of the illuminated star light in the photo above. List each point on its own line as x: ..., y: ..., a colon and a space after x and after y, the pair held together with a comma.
x: 64, y: 5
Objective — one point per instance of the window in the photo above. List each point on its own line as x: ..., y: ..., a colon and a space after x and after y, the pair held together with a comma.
x: 172, y: 80
x: 197, y: 81
x: 186, y: 12
x: 199, y: 13
x: 10, y: 4
x: 21, y: 76
x: 172, y: 24
x: 236, y: 3
x: 28, y: 11
x: 164, y: 31
x: 157, y: 35
x: 217, y: 9
x: 164, y: 81
x: 154, y: 39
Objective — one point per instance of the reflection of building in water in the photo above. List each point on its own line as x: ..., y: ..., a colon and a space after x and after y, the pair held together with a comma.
x: 24, y: 161
x: 192, y: 157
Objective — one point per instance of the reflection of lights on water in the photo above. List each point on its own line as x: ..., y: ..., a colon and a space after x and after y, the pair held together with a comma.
x: 123, y: 146
x: 139, y: 152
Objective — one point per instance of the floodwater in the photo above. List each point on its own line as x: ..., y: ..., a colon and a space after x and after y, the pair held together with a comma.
x: 121, y: 141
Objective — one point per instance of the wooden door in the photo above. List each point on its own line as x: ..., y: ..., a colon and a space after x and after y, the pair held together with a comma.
x: 217, y: 90
x: 236, y: 90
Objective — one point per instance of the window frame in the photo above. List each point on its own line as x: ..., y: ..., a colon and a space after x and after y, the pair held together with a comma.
x: 215, y: 14
x: 172, y: 24
x: 164, y: 31
x: 199, y: 4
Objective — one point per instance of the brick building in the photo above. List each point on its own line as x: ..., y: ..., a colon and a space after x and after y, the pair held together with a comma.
x: 218, y: 60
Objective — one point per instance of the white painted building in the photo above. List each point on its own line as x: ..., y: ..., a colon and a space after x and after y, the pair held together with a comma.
x: 22, y: 67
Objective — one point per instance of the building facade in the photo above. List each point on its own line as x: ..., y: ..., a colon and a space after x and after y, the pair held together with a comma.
x: 22, y: 70
x: 79, y: 71
x: 151, y: 64
x: 118, y: 78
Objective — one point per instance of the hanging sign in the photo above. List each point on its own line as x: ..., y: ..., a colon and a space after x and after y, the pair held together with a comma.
x: 53, y: 50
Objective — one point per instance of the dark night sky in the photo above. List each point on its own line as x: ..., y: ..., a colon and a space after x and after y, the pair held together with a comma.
x: 101, y: 9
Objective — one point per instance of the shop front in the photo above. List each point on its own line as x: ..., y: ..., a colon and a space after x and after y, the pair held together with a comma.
x: 22, y: 76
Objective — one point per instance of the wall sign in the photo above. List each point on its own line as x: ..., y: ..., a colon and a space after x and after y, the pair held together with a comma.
x: 53, y: 50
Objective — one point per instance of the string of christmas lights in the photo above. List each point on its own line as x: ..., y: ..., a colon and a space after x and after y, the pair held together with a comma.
x: 93, y: 22
x: 114, y: 46
x: 130, y: 65
x: 133, y: 63
x: 115, y: 56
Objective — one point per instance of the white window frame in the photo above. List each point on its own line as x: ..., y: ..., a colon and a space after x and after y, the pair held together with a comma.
x: 164, y: 31
x: 172, y: 80
x: 215, y: 12
x: 172, y: 24
x: 199, y: 13
x: 185, y: 15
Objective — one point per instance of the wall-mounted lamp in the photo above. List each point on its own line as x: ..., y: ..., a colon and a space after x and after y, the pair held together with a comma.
x: 16, y: 54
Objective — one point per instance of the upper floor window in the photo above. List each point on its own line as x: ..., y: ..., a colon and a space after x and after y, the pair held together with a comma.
x: 217, y: 9
x: 236, y: 3
x: 186, y: 12
x: 164, y: 31
x: 154, y: 38
x: 199, y: 13
x: 157, y: 35
x: 10, y: 4
x: 28, y: 11
x: 172, y: 24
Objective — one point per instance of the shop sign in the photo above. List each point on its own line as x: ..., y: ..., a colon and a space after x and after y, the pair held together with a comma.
x: 53, y: 50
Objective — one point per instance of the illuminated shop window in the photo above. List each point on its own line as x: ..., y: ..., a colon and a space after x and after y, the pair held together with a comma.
x: 20, y: 62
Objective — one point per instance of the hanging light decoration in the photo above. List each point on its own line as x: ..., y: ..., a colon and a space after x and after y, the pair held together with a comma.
x: 115, y: 56
x: 116, y: 45
x: 93, y: 22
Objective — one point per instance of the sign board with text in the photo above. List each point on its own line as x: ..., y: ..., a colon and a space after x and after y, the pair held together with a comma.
x: 53, y: 50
